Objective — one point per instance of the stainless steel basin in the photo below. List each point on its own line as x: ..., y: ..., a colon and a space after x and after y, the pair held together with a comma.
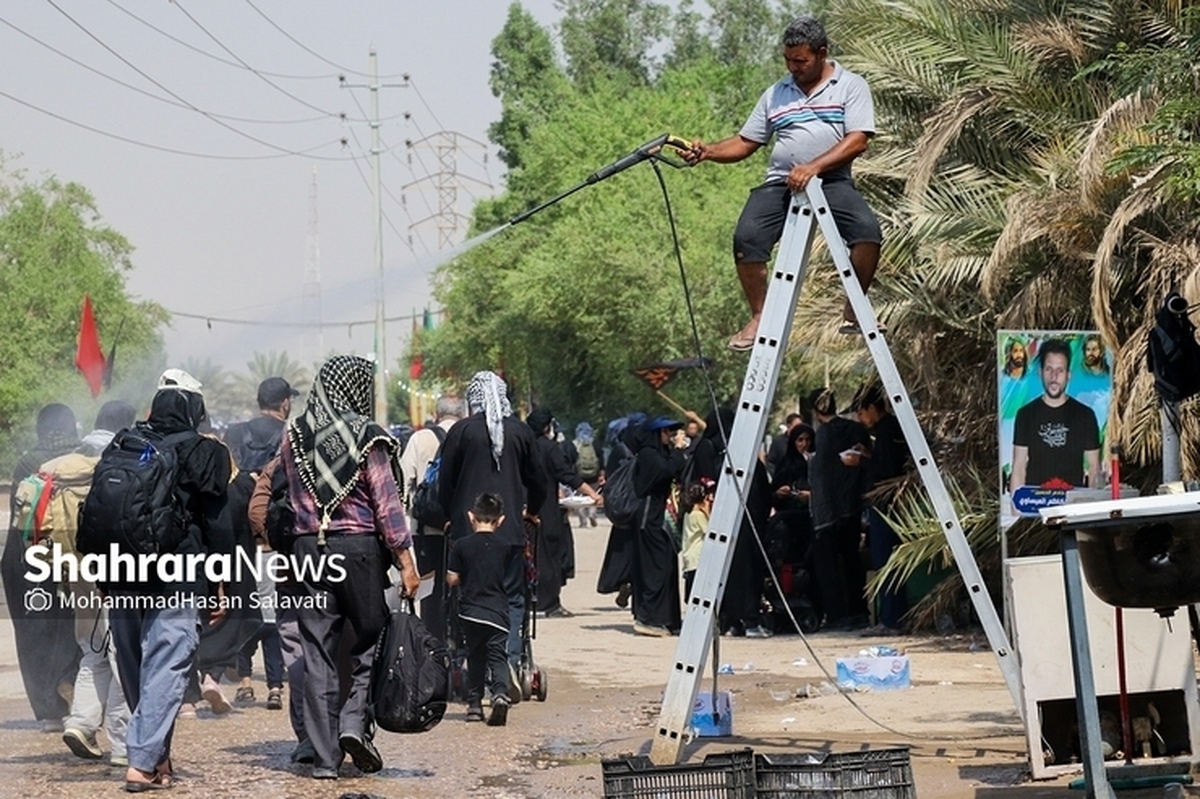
x: 1142, y: 552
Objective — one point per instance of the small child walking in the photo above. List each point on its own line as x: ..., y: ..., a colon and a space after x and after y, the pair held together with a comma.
x: 699, y: 499
x: 478, y: 564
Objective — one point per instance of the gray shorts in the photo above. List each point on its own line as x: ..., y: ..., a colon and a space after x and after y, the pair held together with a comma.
x: 761, y: 223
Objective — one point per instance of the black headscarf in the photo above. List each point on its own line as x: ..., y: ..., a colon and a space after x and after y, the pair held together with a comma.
x: 330, y: 441
x: 174, y: 410
x: 114, y: 416
x: 539, y: 419
x: 205, y: 468
x: 793, y: 467
x: 709, y: 454
x: 57, y: 435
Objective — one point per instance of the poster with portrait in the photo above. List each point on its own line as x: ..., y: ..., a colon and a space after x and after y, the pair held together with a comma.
x: 1055, y: 388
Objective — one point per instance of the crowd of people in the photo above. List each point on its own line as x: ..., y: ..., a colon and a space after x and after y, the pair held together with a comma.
x: 492, y: 542
x: 816, y: 502
x: 330, y: 484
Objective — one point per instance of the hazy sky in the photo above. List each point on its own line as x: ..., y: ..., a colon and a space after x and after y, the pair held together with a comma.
x: 226, y: 236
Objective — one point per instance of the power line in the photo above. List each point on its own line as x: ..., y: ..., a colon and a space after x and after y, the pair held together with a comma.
x: 207, y: 54
x: 406, y: 239
x: 151, y: 95
x: 241, y: 61
x: 312, y: 52
x: 141, y: 72
x: 421, y: 97
x: 213, y: 156
x: 260, y: 323
x: 403, y: 207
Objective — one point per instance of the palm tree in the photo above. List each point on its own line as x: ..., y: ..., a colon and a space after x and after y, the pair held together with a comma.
x: 262, y: 366
x: 999, y: 121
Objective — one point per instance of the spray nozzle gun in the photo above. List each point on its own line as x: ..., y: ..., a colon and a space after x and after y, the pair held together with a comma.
x: 650, y: 149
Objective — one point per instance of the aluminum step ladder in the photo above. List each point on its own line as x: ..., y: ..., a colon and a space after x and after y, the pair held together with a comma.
x: 808, y: 211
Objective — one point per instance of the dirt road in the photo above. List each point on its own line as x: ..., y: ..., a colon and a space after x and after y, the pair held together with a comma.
x: 604, y: 687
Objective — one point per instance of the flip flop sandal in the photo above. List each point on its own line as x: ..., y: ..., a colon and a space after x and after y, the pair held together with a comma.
x: 740, y: 344
x: 159, y: 782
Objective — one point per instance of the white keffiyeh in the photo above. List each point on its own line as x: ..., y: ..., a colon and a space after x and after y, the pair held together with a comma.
x: 488, y: 393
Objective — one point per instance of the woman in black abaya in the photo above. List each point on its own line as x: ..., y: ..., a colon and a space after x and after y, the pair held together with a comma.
x: 656, y: 563
x: 739, y: 614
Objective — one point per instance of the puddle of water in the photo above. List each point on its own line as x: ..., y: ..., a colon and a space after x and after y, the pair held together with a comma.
x: 559, y: 753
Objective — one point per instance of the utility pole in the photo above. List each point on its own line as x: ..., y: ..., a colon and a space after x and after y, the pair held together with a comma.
x: 313, y: 346
x: 446, y: 144
x: 381, y: 387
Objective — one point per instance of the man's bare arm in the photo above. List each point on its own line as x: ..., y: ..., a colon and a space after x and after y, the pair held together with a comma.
x: 726, y: 151
x: 850, y: 147
x: 1020, y: 459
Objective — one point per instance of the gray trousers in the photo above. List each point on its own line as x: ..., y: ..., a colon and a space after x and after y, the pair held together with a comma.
x: 154, y: 655
x: 293, y: 662
x: 358, y: 600
x: 99, y: 698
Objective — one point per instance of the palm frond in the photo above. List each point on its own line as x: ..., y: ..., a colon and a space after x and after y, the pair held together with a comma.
x: 1127, y: 113
x: 1141, y: 200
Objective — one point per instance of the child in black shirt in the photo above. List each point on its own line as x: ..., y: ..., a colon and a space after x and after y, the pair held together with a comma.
x: 478, y: 564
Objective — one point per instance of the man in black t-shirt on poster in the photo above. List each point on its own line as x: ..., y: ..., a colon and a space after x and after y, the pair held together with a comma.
x: 1056, y: 441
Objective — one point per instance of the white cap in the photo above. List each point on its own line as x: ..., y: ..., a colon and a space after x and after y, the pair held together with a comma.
x: 177, y: 378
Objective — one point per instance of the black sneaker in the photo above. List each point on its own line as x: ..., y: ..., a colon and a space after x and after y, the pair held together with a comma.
x: 499, y: 715
x: 361, y: 751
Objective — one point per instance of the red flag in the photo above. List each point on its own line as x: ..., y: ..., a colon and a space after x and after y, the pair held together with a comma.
x: 657, y: 375
x: 416, y: 367
x: 89, y: 359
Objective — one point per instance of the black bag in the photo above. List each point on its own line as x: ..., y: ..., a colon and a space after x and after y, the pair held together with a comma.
x: 1173, y: 355
x: 133, y: 501
x: 410, y: 676
x: 425, y: 506
x: 253, y: 454
x: 621, y: 503
x: 281, y: 516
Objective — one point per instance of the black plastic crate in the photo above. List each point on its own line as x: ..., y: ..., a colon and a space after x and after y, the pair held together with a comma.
x: 724, y: 775
x: 873, y: 774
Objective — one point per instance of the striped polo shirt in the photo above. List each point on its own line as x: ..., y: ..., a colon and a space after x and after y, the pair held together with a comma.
x: 805, y: 126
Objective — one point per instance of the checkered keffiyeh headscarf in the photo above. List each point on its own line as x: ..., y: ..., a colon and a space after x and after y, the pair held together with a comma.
x: 331, y: 439
x: 488, y: 393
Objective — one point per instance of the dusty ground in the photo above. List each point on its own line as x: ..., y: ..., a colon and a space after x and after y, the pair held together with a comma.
x: 604, y: 686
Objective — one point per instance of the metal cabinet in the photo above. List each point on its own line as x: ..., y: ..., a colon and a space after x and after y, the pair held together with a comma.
x: 1160, y: 671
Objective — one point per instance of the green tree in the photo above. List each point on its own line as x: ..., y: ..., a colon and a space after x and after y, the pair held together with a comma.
x: 54, y: 249
x: 528, y: 80
x: 567, y: 302
x: 611, y: 40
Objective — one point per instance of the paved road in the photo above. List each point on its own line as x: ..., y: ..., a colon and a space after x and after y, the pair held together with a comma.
x: 604, y: 688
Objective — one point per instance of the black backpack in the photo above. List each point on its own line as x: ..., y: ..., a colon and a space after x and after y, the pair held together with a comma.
x: 1173, y: 355
x: 622, y: 505
x: 252, y: 453
x: 133, y: 501
x: 424, y: 505
x: 410, y: 675
x: 281, y: 516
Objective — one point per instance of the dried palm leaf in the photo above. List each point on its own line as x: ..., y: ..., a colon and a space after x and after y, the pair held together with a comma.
x: 1144, y: 198
x: 1126, y: 114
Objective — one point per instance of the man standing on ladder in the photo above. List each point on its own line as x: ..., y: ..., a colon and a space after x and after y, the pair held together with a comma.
x: 822, y: 117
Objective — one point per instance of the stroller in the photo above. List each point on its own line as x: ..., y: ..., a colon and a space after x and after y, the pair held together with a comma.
x: 530, y: 677
x: 533, y: 678
x: 789, y: 547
